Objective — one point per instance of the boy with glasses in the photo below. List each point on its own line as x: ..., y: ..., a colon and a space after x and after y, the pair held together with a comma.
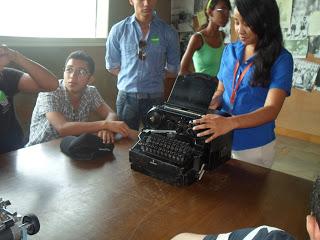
x: 140, y: 50
x: 66, y: 111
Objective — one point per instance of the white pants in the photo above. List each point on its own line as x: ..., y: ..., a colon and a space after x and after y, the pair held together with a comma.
x: 262, y: 156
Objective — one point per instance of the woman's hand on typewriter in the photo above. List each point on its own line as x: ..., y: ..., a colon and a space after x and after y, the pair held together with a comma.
x: 213, y: 126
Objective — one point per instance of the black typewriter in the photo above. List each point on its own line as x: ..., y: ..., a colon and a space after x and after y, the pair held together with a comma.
x: 168, y: 148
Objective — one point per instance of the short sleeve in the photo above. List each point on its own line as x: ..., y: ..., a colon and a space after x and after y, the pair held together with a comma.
x: 95, y: 98
x: 225, y: 62
x: 11, y: 78
x: 261, y: 233
x: 48, y: 102
x: 282, y: 71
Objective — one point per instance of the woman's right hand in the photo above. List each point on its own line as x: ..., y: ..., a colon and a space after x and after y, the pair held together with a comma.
x: 213, y: 126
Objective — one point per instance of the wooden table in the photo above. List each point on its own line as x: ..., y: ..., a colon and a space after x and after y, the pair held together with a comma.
x: 105, y: 199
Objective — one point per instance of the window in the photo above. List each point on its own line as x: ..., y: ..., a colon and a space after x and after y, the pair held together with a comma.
x: 54, y: 18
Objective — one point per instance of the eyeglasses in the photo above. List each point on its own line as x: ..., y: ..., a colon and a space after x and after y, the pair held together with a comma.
x: 222, y: 10
x: 142, y: 50
x: 81, y: 72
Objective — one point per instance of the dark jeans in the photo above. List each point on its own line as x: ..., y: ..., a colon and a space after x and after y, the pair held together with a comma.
x: 133, y: 107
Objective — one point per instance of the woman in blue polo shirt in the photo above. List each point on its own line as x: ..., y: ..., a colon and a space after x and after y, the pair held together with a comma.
x: 255, y: 77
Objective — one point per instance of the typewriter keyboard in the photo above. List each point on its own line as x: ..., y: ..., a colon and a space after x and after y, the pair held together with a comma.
x: 167, y: 148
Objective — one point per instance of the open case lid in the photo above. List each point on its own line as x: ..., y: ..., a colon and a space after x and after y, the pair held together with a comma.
x: 192, y: 92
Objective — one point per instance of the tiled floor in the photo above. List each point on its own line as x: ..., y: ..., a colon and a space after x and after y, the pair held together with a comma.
x: 297, y: 157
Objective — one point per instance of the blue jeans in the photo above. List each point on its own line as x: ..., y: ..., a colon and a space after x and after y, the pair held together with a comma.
x: 133, y: 107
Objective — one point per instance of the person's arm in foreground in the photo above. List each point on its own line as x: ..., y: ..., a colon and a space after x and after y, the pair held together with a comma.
x: 37, y: 78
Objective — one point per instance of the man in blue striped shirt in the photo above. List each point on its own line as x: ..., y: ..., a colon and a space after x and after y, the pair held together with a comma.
x: 141, y: 50
x: 266, y: 232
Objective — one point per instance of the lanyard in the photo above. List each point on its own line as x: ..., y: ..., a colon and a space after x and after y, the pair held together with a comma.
x: 236, y: 84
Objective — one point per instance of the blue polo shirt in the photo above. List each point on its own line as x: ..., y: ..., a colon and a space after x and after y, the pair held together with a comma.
x: 162, y: 53
x: 250, y: 98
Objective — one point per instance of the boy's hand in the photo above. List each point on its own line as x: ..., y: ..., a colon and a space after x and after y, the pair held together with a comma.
x: 106, y: 136
x: 117, y: 127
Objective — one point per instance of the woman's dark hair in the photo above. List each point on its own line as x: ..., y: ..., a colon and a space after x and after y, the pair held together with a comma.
x: 82, y: 55
x: 315, y: 200
x: 262, y: 16
x: 211, y: 4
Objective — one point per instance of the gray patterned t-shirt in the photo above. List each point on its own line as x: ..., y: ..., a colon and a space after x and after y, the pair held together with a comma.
x: 58, y: 101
